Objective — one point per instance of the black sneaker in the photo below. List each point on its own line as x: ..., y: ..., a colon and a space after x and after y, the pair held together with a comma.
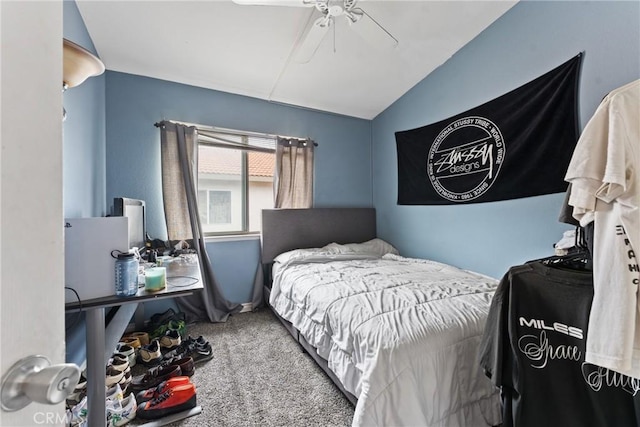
x: 201, y: 354
x: 186, y: 347
x: 160, y: 318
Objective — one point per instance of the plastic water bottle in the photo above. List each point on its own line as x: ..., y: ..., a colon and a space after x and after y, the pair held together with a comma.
x: 126, y: 275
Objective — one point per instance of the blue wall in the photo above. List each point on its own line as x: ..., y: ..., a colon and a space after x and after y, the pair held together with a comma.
x: 135, y: 103
x: 529, y: 40
x: 83, y: 132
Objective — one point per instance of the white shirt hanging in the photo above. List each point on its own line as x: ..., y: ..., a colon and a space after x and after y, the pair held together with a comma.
x: 605, y: 177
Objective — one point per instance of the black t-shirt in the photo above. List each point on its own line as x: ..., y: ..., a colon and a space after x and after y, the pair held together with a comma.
x: 533, y: 347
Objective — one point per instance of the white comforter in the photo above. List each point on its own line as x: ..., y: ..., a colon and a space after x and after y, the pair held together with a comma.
x: 401, y: 334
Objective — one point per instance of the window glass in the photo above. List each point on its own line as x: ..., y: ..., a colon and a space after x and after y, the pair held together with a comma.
x: 234, y: 185
x: 219, y: 207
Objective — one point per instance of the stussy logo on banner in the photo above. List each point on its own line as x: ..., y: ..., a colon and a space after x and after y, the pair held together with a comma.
x: 471, y: 148
x: 513, y: 146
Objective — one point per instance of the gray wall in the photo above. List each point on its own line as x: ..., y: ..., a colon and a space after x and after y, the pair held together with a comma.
x: 529, y: 40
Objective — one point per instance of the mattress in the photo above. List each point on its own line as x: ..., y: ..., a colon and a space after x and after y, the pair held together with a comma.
x: 401, y: 334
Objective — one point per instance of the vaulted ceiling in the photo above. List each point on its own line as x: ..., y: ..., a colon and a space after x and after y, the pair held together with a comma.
x: 253, y: 50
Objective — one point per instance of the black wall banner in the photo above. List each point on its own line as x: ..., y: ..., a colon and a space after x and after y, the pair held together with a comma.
x: 517, y: 145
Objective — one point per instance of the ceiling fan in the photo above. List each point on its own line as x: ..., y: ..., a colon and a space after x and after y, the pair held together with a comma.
x: 359, y: 20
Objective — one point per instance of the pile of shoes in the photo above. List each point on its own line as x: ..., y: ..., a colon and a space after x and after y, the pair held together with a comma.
x: 164, y: 357
x: 166, y: 363
x: 120, y: 404
x: 76, y: 404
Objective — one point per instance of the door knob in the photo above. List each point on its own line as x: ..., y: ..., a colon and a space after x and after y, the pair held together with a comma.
x: 33, y: 379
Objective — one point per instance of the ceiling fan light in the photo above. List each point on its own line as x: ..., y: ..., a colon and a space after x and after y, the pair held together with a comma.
x: 353, y: 16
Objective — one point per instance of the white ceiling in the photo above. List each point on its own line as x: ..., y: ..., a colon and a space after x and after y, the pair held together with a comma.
x: 248, y: 50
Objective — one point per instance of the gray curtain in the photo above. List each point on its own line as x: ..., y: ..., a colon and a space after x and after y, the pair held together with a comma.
x: 292, y: 188
x: 293, y: 183
x: 179, y: 156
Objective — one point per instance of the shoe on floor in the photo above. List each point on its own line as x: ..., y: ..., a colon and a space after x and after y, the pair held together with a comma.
x: 177, y: 325
x: 125, y: 382
x: 188, y: 346
x: 127, y: 351
x: 154, y: 392
x: 150, y: 354
x: 77, y: 416
x: 170, y: 339
x: 113, y: 376
x: 143, y: 337
x: 120, y: 412
x: 161, y: 318
x: 132, y: 341
x: 177, y: 399
x: 186, y: 364
x: 119, y: 362
x: 114, y: 392
x: 201, y: 354
x: 155, y: 376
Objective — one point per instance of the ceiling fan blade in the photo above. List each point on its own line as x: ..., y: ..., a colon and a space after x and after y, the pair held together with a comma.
x: 369, y: 29
x: 295, y: 3
x: 312, y: 40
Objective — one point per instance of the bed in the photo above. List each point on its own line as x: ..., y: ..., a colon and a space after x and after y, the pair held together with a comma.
x: 398, y: 336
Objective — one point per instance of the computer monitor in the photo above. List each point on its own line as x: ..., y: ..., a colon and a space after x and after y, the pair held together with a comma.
x: 134, y: 210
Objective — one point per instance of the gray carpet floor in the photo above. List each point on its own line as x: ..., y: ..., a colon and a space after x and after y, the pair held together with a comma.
x: 260, y: 376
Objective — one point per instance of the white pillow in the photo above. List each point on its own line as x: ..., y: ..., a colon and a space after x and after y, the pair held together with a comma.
x: 296, y: 254
x: 375, y: 247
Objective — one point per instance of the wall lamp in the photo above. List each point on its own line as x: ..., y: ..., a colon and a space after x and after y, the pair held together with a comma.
x: 78, y: 65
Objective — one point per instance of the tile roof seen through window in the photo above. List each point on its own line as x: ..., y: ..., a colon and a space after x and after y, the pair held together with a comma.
x: 227, y: 162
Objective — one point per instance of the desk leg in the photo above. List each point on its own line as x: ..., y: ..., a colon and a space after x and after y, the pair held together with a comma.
x: 95, y: 367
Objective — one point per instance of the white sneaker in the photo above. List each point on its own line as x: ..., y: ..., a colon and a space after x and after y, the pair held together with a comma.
x: 113, y: 376
x: 114, y: 393
x: 78, y: 415
x: 125, y: 381
x: 128, y: 352
x: 120, y: 412
x: 119, y: 362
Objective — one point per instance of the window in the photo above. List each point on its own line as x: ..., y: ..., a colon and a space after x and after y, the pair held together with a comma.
x: 235, y: 180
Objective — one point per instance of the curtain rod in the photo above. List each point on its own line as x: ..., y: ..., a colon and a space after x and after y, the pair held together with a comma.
x: 234, y: 132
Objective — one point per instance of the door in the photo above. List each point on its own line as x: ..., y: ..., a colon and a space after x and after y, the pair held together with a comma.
x: 31, y: 210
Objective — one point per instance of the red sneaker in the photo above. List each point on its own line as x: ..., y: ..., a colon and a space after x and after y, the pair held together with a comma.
x: 177, y: 399
x: 154, y: 392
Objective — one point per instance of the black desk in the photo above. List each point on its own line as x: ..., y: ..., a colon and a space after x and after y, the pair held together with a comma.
x: 183, y: 278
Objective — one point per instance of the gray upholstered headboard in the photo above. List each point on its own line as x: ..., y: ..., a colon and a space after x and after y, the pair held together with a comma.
x: 287, y: 229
